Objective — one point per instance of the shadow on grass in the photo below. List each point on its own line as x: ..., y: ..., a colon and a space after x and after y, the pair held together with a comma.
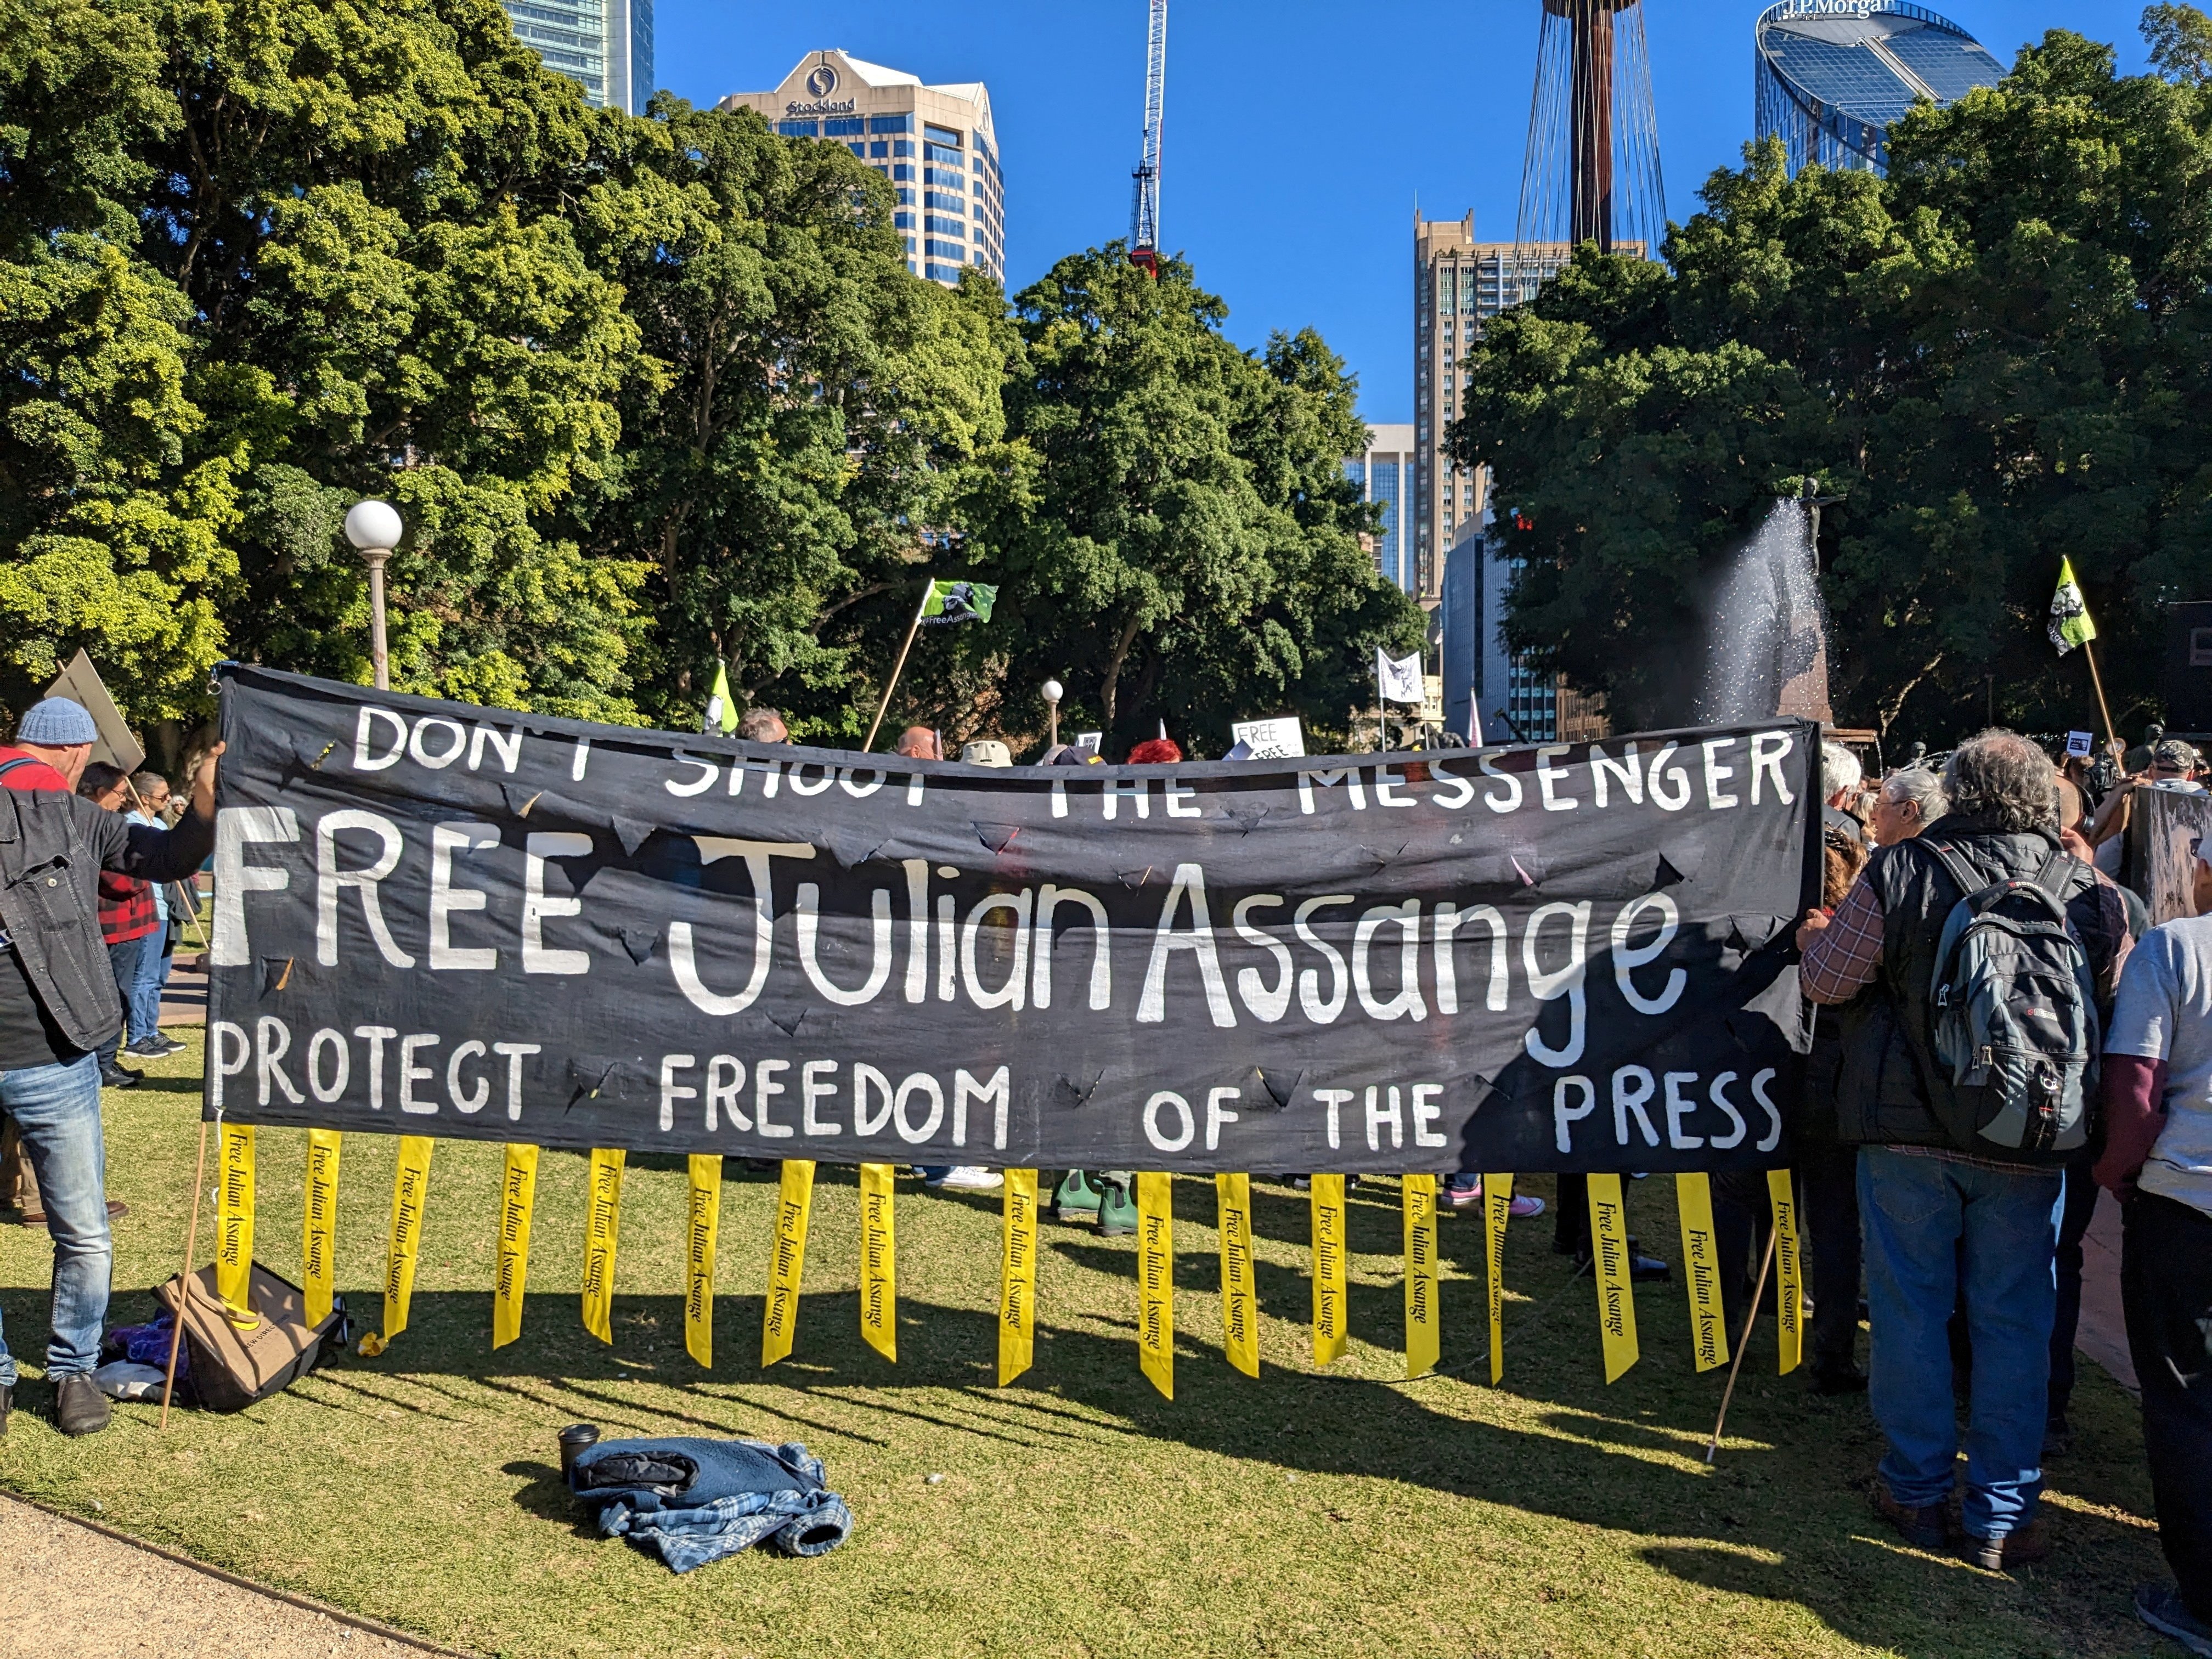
x: 1782, y: 1517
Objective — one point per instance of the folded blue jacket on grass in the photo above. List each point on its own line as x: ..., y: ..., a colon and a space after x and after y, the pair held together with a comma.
x: 692, y: 1500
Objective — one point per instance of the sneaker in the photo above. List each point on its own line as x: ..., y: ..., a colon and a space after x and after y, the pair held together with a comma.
x: 1525, y: 1206
x: 1459, y: 1191
x: 80, y: 1408
x: 155, y: 1047
x: 970, y: 1178
x: 1925, y: 1526
x: 112, y: 1076
x: 2017, y: 1548
x: 2159, y: 1605
x: 8, y: 1404
x: 1077, y: 1197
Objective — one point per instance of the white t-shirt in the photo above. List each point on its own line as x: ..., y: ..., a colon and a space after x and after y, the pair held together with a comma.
x: 2165, y: 1012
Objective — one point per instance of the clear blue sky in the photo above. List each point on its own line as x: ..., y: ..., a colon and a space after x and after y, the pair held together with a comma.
x: 1299, y: 132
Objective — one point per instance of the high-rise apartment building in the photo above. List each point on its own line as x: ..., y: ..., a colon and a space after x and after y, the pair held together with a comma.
x: 936, y: 145
x: 606, y: 44
x: 1459, y: 284
x: 1385, y: 473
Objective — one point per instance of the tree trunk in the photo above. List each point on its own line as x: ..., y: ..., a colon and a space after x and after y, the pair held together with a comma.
x: 1111, y: 691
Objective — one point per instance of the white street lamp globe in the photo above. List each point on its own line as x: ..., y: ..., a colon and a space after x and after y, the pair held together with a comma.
x: 372, y: 526
x: 1052, y: 691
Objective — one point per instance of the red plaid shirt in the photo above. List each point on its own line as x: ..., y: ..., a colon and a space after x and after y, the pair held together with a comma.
x: 126, y: 909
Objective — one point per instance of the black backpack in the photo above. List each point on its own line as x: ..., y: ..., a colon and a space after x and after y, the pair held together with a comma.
x: 2012, y: 1014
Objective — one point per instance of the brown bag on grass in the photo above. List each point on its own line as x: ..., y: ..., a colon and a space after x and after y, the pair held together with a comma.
x: 232, y: 1368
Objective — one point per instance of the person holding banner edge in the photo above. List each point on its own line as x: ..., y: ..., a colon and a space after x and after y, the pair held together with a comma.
x: 58, y: 1003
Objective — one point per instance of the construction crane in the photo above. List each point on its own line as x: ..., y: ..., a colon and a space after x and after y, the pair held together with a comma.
x: 1144, y: 212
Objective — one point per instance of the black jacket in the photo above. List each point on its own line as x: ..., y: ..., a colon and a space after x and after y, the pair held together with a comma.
x: 1882, y: 1099
x: 52, y: 848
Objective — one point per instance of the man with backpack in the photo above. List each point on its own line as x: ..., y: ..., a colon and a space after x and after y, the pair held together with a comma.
x: 59, y: 1004
x: 1968, y: 964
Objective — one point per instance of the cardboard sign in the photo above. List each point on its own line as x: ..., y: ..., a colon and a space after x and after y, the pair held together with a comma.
x: 2079, y: 746
x: 1276, y: 739
x: 81, y: 684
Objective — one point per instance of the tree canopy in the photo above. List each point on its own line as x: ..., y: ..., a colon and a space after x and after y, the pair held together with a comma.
x: 646, y: 390
x: 1995, y: 356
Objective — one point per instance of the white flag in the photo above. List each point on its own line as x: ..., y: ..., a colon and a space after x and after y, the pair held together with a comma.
x: 1398, y: 680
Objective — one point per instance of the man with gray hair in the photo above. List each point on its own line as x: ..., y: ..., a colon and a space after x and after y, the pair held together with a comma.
x: 1841, y: 776
x: 1929, y: 1181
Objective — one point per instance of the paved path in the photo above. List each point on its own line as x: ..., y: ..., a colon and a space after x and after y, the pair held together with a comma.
x: 67, y: 1590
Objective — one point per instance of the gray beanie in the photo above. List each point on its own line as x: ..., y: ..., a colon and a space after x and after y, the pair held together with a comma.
x: 57, y: 723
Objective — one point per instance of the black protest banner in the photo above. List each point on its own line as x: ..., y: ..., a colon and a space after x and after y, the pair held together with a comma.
x: 439, y: 920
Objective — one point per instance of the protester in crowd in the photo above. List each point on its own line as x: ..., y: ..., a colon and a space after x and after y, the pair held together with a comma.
x: 143, y: 1004
x: 1907, y: 803
x: 25, y: 766
x: 58, y: 1004
x: 2174, y: 766
x: 920, y: 742
x: 127, y: 919
x: 1162, y: 751
x: 2157, y: 1100
x: 1923, y: 1190
x: 986, y: 751
x: 763, y: 726
x: 1841, y: 780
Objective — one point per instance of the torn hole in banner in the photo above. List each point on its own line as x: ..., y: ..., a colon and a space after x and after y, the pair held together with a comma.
x: 1667, y: 873
x: 520, y: 798
x: 1069, y: 1094
x: 311, y: 755
x: 1246, y: 818
x: 996, y: 836
x: 789, y: 1024
x: 589, y: 1074
x: 276, y: 973
x: 1134, y: 879
x: 1527, y: 865
x: 1279, y: 1087
x: 640, y: 942
x: 1383, y: 857
x: 631, y: 832
x: 853, y: 849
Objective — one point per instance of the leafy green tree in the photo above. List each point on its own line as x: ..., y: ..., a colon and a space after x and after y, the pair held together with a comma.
x: 1178, y: 541
x: 1995, y: 356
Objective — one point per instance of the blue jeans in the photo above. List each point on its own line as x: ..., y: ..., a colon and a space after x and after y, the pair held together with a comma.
x: 1917, y: 1213
x: 57, y: 1113
x: 142, y: 999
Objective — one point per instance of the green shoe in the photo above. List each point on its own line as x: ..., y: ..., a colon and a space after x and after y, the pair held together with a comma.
x: 1077, y: 1197
x: 1117, y: 1209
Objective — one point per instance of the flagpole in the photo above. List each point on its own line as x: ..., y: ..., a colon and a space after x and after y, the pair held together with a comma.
x: 899, y: 667
x: 2089, y: 650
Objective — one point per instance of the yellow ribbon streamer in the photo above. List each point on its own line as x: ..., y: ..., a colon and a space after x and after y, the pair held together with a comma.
x: 788, y: 1263
x: 1017, y: 1276
x: 318, y: 1226
x: 518, y: 1193
x: 1329, y: 1269
x: 706, y: 1227
x: 1497, y: 1209
x: 1240, y: 1300
x: 1701, y: 1271
x: 233, y: 1224
x: 410, y: 1190
x: 1424, y: 1328
x: 1789, y: 1271
x: 602, y: 1233
x: 878, y: 1261
x: 1156, y: 1279
x: 1616, y: 1294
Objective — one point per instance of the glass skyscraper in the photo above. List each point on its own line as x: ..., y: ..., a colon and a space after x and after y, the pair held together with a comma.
x: 605, y: 44
x: 1385, y: 473
x: 935, y: 145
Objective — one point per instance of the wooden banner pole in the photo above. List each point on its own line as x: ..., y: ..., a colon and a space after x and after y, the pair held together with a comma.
x: 899, y: 667
x: 192, y: 1250
x: 1742, y: 1339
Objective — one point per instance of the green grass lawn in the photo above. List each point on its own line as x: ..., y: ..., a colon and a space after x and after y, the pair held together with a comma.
x: 1347, y: 1511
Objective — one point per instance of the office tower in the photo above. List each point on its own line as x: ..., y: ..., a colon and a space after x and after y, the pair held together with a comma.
x: 1829, y: 75
x: 606, y: 44
x: 1385, y: 473
x: 1459, y: 284
x: 935, y: 145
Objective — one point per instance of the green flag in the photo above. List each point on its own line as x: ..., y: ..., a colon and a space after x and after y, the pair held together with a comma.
x: 721, y: 709
x: 958, y: 602
x: 2069, y: 613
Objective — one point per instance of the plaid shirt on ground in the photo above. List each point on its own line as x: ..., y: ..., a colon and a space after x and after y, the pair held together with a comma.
x: 126, y: 909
